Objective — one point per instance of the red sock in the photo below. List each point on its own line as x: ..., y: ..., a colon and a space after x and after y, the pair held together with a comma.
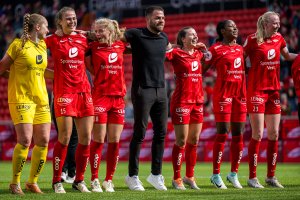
x: 272, y: 152
x: 82, y: 158
x: 177, y: 157
x: 236, y: 152
x: 253, y: 151
x: 112, y: 160
x: 190, y: 159
x: 218, y: 152
x: 59, y: 156
x: 95, y: 158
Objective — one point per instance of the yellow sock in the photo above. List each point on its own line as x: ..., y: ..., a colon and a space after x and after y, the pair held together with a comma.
x: 18, y: 162
x: 38, y: 160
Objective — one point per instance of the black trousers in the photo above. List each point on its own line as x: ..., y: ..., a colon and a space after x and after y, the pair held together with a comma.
x: 153, y: 102
x: 70, y: 164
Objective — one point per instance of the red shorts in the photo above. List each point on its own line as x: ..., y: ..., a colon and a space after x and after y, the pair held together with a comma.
x: 186, y: 113
x: 109, y: 109
x: 267, y: 102
x: 230, y: 109
x: 75, y: 105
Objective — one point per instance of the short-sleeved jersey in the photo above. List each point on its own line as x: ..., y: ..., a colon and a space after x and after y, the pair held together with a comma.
x: 296, y: 75
x: 229, y: 63
x: 188, y: 76
x: 148, y: 56
x: 26, y: 82
x: 68, y: 53
x: 108, y: 66
x: 264, y: 73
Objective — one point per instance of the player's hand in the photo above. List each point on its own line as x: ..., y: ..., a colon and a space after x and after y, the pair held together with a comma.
x: 201, y: 46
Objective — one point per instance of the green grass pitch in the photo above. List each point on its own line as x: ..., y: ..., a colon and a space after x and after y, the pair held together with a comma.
x: 288, y: 174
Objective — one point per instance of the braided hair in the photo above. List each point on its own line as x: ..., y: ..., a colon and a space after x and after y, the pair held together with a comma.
x: 29, y: 21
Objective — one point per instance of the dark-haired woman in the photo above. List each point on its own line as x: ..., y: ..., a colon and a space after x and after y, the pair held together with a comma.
x: 26, y: 60
x: 229, y: 99
x: 186, y: 105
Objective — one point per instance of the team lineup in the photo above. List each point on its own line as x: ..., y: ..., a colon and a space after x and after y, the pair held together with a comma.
x: 97, y: 107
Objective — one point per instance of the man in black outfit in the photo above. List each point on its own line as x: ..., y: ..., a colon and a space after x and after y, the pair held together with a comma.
x: 148, y: 95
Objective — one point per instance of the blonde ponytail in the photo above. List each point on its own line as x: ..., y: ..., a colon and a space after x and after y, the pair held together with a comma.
x: 112, y: 25
x: 262, y: 20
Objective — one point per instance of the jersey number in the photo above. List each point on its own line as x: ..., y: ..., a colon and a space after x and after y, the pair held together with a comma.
x: 255, y: 108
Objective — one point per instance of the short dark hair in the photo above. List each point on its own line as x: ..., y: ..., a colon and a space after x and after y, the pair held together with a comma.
x: 149, y: 10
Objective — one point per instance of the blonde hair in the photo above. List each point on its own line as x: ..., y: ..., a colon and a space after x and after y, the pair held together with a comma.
x: 116, y: 33
x: 262, y: 20
x: 29, y: 21
x: 59, y: 15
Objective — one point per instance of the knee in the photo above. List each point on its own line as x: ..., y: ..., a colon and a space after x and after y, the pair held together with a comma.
x: 64, y: 139
x: 180, y: 142
x: 257, y: 136
x: 273, y: 135
x: 159, y: 137
x: 24, y: 141
x: 138, y: 137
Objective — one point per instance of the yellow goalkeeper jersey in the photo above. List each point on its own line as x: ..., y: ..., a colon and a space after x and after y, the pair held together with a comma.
x: 26, y: 82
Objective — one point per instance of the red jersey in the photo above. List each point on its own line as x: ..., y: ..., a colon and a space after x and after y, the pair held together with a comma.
x: 188, y: 75
x: 229, y: 63
x: 108, y: 67
x: 264, y: 73
x: 296, y: 75
x: 68, y: 53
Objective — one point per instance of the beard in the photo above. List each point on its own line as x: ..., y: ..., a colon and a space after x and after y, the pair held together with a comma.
x: 156, y: 28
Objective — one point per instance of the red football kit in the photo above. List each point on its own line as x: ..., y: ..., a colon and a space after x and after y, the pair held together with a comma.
x: 296, y: 76
x: 71, y: 86
x: 109, y: 83
x: 229, y: 94
x: 264, y: 74
x: 187, y: 99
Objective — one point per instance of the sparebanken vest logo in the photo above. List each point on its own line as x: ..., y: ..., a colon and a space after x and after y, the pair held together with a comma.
x: 237, y: 62
x: 39, y: 59
x: 113, y: 57
x: 271, y: 54
x: 194, y: 66
x: 73, y: 52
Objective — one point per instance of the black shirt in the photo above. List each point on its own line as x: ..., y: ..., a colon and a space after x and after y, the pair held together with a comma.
x: 148, y: 56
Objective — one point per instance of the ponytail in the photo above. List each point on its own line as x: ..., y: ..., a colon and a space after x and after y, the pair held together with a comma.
x: 262, y: 20
x: 29, y: 22
x: 25, y: 36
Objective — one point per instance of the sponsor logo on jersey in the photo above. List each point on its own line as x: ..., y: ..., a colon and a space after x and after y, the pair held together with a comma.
x: 99, y: 109
x: 64, y: 101
x: 113, y: 57
x: 182, y: 111
x: 23, y: 107
x: 226, y: 101
x: 224, y: 53
x: 237, y: 62
x: 38, y: 59
x: 257, y: 100
x: 271, y: 54
x: 195, y: 65
x: 73, y: 52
